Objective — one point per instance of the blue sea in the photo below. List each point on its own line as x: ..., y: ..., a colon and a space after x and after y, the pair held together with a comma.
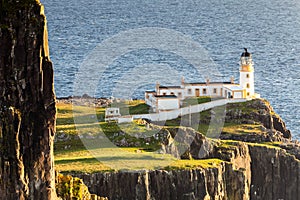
x: 134, y: 43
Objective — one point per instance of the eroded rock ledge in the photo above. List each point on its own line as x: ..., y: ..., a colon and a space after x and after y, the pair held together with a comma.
x: 253, y: 172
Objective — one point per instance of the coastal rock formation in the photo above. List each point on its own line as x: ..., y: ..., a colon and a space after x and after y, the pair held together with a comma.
x: 210, y: 183
x: 275, y: 174
x: 68, y: 187
x: 253, y: 164
x: 257, y: 111
x: 250, y: 172
x: 27, y: 103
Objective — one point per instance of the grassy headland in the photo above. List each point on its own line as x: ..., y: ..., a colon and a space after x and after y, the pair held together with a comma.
x: 133, y: 146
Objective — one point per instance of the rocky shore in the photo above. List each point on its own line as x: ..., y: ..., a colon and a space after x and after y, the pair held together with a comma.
x: 85, y: 100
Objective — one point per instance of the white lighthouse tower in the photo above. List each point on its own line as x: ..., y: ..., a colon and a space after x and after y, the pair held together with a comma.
x: 247, y: 74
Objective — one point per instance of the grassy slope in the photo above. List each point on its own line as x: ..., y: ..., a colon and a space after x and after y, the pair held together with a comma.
x: 71, y: 154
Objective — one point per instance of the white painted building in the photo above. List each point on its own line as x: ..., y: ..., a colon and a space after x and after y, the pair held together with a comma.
x: 170, y: 97
x: 112, y: 114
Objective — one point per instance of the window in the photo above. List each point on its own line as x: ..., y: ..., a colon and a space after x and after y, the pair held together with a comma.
x: 179, y: 94
x: 248, y: 75
x: 215, y: 90
x: 248, y: 93
x: 172, y: 93
x: 164, y: 94
x: 189, y: 91
x: 204, y: 91
x: 248, y: 85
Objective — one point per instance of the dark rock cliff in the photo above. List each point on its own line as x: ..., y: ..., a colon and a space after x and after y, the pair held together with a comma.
x: 275, y: 174
x: 27, y: 103
x: 250, y: 172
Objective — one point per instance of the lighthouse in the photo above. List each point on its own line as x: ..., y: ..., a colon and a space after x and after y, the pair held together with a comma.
x: 247, y: 74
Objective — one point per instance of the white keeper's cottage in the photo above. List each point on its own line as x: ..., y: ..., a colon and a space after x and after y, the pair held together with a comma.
x: 165, y: 98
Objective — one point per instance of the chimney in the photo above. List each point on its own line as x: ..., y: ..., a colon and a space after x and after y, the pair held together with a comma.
x: 232, y: 80
x: 157, y: 87
x: 207, y: 81
x: 182, y: 81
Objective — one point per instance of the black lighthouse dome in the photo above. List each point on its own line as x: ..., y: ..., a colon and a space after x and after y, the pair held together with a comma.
x: 246, y: 53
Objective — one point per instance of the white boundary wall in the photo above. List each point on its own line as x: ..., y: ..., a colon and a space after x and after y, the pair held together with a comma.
x: 173, y: 114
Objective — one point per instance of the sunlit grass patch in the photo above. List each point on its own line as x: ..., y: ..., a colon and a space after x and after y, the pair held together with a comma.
x: 194, y: 164
x: 243, y: 129
x: 115, y: 159
x: 100, y: 159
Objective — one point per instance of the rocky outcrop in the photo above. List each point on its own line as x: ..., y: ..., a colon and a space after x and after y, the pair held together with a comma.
x: 249, y: 171
x: 257, y: 111
x: 27, y: 103
x: 220, y: 182
x: 275, y: 174
x: 68, y: 188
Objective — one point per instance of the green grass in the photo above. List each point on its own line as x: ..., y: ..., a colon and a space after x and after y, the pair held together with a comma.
x: 132, y: 107
x: 243, y: 129
x: 115, y: 159
x: 71, y: 154
x: 84, y: 114
x: 110, y: 159
x: 272, y: 145
x: 194, y: 164
x: 195, y: 100
x: 245, y: 107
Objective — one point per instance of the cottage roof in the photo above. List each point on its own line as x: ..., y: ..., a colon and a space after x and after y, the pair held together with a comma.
x: 210, y: 83
x: 169, y: 87
x: 166, y: 96
x: 150, y: 91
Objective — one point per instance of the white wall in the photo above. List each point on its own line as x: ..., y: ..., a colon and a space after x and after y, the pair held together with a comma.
x: 167, y: 104
x: 126, y: 119
x: 238, y: 95
x: 173, y: 114
x: 149, y: 100
x: 244, y: 81
x: 209, y: 90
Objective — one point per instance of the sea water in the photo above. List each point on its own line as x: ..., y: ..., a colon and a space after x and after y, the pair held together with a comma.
x: 269, y: 29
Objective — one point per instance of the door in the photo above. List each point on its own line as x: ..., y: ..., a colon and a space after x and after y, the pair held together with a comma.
x: 197, y: 92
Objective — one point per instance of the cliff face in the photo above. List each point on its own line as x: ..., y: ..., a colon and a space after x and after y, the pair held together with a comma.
x: 211, y: 183
x: 275, y: 174
x: 27, y: 103
x: 250, y: 172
